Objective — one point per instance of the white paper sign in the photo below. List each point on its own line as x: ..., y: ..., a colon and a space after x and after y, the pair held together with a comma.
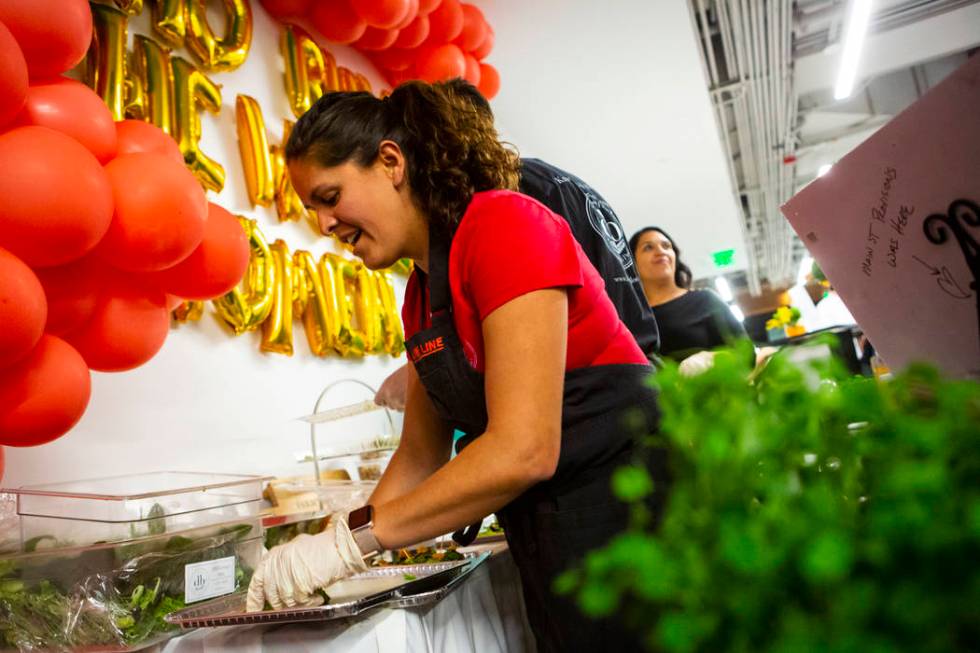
x: 895, y: 226
x: 206, y: 580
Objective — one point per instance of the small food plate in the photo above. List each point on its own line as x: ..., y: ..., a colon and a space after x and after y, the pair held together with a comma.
x: 391, y: 587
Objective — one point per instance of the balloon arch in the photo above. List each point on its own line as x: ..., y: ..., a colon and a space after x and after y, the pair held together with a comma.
x: 406, y: 39
x: 105, y: 227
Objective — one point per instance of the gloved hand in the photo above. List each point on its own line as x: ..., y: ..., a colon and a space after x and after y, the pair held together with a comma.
x: 393, y: 390
x: 697, y: 364
x: 290, y: 573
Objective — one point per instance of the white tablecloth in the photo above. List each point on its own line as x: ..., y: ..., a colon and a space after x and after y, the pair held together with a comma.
x: 484, y: 615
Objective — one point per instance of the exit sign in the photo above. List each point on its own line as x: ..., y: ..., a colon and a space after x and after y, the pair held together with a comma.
x: 723, y: 258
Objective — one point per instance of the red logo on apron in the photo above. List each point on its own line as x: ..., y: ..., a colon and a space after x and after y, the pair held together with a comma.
x: 427, y: 348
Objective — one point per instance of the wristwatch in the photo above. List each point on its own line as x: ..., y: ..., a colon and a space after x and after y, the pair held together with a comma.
x: 361, y: 524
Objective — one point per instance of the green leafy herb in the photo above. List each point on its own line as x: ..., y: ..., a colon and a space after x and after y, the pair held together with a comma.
x: 116, y: 596
x: 809, y: 511
x: 157, y: 524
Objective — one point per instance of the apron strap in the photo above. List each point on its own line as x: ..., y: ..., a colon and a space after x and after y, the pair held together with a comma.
x: 440, y: 297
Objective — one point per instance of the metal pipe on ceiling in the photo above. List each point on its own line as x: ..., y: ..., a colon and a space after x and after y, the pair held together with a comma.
x: 756, y: 50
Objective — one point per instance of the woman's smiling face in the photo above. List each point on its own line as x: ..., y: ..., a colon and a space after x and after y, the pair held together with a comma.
x: 368, y: 208
x: 655, y: 257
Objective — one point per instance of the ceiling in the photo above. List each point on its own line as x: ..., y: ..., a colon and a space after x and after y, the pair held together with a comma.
x: 771, y: 68
x: 704, y: 116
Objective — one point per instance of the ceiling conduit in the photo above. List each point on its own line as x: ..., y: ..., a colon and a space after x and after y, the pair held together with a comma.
x: 749, y: 67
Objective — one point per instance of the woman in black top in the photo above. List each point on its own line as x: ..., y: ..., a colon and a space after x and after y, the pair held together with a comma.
x: 689, y: 320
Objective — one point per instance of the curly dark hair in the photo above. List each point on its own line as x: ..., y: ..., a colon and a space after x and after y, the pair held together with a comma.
x: 682, y: 273
x: 448, y: 138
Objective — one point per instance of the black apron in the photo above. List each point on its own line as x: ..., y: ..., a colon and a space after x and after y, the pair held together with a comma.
x: 554, y: 524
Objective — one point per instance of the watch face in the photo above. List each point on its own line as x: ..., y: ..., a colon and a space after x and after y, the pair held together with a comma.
x: 360, y: 517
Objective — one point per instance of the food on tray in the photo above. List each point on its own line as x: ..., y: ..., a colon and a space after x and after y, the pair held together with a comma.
x: 419, y: 556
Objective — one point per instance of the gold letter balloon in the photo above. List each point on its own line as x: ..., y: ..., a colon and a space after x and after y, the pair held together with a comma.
x: 248, y: 305
x: 345, y: 309
x: 254, y: 149
x: 219, y: 54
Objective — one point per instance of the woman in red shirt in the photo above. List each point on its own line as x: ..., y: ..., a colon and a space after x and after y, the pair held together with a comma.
x: 512, y: 340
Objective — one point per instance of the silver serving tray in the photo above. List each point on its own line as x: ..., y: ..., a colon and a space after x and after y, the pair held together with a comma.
x: 420, y: 569
x: 230, y: 610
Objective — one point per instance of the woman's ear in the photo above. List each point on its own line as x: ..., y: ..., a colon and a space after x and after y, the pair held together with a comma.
x: 393, y: 159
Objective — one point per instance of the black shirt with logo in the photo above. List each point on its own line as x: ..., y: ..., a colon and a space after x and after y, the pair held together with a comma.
x: 598, y: 230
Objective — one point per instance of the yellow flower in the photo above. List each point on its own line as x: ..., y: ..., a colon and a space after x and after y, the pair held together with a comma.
x: 784, y: 315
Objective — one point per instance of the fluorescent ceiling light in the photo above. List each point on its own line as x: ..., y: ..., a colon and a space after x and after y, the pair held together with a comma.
x: 737, y: 312
x: 824, y: 169
x: 724, y: 290
x: 806, y: 265
x: 857, y: 27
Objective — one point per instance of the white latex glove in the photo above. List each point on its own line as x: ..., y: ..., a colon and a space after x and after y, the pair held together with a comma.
x: 697, y: 364
x: 394, y: 389
x: 290, y: 573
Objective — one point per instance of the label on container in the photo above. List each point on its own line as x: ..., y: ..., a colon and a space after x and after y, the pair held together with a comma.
x: 206, y: 580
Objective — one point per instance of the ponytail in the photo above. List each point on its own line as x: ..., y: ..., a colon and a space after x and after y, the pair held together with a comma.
x: 446, y: 133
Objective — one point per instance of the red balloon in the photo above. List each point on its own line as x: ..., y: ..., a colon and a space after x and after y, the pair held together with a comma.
x: 472, y: 74
x: 72, y: 291
x: 44, y: 395
x: 383, y: 14
x: 444, y: 62
x: 337, y: 21
x: 127, y: 329
x: 138, y: 136
x: 396, y: 77
x: 160, y: 213
x: 57, y: 202
x: 73, y: 109
x: 376, y: 39
x: 484, y: 49
x: 489, y: 81
x: 54, y: 34
x: 474, y: 28
x: 445, y: 22
x: 286, y: 8
x: 426, y: 7
x: 173, y: 301
x: 410, y: 15
x: 23, y: 309
x: 394, y: 59
x: 13, y: 76
x: 413, y: 35
x: 216, y: 266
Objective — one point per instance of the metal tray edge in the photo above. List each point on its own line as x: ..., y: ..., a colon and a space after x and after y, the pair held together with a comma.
x: 395, y: 597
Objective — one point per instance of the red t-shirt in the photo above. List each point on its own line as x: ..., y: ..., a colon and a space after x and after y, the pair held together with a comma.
x: 508, y: 245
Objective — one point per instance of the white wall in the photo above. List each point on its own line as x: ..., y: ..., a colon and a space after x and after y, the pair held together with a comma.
x: 210, y: 400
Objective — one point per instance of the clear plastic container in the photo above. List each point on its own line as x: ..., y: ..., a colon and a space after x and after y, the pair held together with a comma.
x: 114, y: 597
x: 336, y: 496
x: 127, y: 507
x: 365, y: 465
